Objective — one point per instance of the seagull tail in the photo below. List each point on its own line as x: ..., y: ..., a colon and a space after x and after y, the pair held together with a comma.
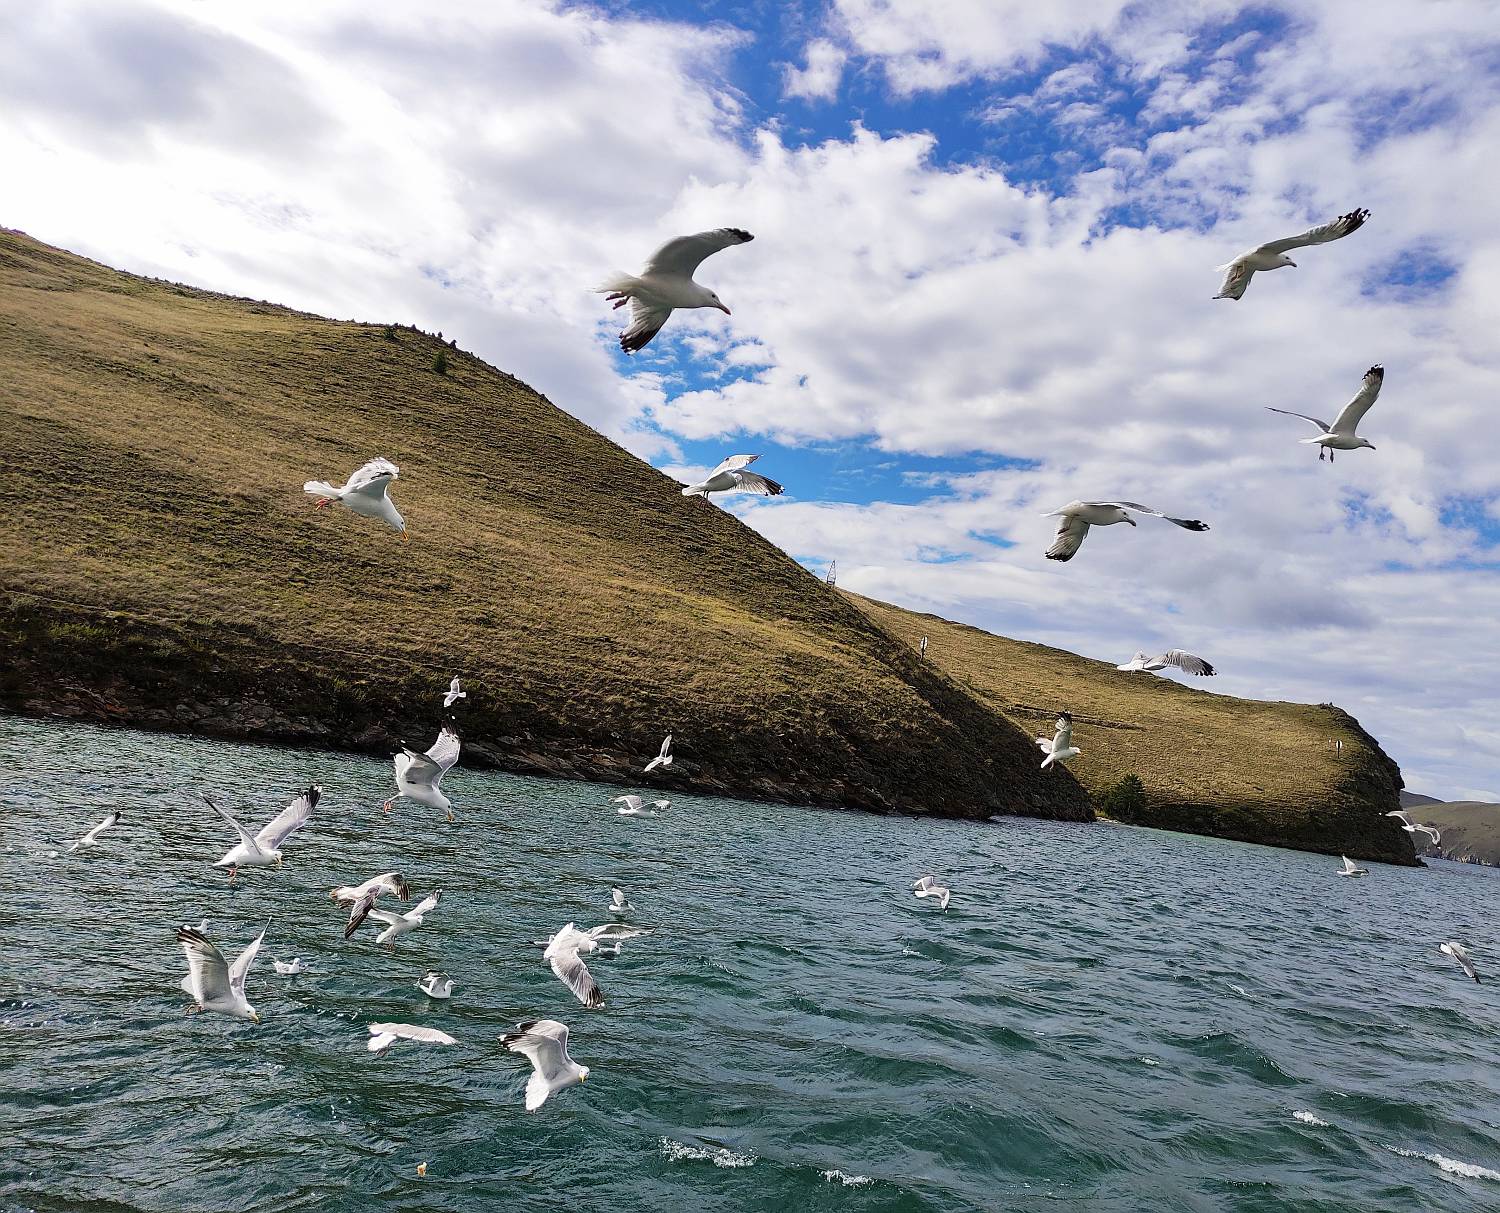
x: 320, y: 488
x: 618, y: 284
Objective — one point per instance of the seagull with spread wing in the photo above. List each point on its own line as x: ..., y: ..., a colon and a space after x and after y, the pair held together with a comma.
x: 564, y: 954
x: 730, y: 476
x: 1273, y: 254
x: 1350, y: 868
x: 418, y: 776
x: 1180, y: 658
x: 1077, y: 516
x: 92, y: 837
x: 618, y: 906
x: 544, y: 1042
x: 1060, y: 747
x: 927, y: 886
x: 633, y: 806
x: 667, y: 283
x: 664, y: 759
x: 1461, y: 954
x: 361, y: 898
x: 384, y: 1035
x: 212, y: 983
x: 397, y: 925
x: 364, y: 493
x: 454, y: 694
x: 264, y: 849
x: 1340, y: 436
x: 1412, y: 827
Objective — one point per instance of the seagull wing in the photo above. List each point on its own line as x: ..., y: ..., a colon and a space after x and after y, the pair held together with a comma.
x: 1186, y: 662
x: 751, y: 482
x: 1322, y: 425
x: 573, y: 973
x: 1402, y: 814
x: 363, y: 907
x: 384, y: 916
x: 686, y: 253
x: 645, y: 322
x: 444, y: 752
x: 426, y: 905
x: 1352, y: 413
x: 245, y: 836
x: 1070, y: 534
x: 243, y: 961
x: 1237, y: 277
x: 208, y: 973
x: 373, y: 478
x: 1190, y: 524
x: 1335, y: 229
x: 1138, y: 662
x: 93, y: 835
x: 410, y: 1031
x: 630, y: 802
x: 733, y: 464
x: 289, y: 820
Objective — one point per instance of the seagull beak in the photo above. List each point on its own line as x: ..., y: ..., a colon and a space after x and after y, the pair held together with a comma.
x: 723, y: 309
x: 405, y: 535
x: 1293, y: 264
x: 1131, y: 521
x: 255, y: 1015
x: 583, y: 1078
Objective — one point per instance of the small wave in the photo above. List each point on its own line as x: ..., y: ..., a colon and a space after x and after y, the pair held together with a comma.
x: 720, y: 1156
x: 1468, y: 1170
x: 1150, y: 1061
x: 849, y: 1181
x: 1308, y: 1118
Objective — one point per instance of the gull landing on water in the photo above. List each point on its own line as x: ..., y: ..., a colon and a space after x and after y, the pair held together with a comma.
x: 1411, y: 827
x: 1060, y: 748
x: 667, y: 283
x: 617, y: 903
x: 634, y: 806
x: 927, y: 886
x: 290, y: 968
x: 384, y: 1035
x: 264, y: 849
x: 1273, y: 254
x: 1340, y: 436
x: 1180, y: 658
x: 663, y: 759
x: 544, y: 1042
x: 1077, y: 516
x: 214, y: 985
x: 731, y: 475
x: 92, y: 836
x: 1349, y: 868
x: 454, y: 694
x: 418, y: 775
x: 364, y: 494
x: 1461, y: 954
x: 436, y: 985
x: 361, y: 898
x: 397, y: 925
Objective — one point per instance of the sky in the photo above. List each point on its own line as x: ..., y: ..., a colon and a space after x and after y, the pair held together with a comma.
x: 980, y: 287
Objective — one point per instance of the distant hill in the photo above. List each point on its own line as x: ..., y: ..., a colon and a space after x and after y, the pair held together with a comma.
x: 1211, y: 764
x: 1470, y: 829
x: 1411, y: 800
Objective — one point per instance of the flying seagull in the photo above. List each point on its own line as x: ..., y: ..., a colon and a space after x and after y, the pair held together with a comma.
x: 361, y: 898
x: 927, y: 886
x: 664, y: 759
x: 290, y: 968
x: 564, y: 951
x: 634, y: 806
x: 384, y: 1035
x: 397, y: 925
x: 1340, y: 436
x: 1180, y: 658
x: 731, y: 475
x: 544, y: 1042
x: 1077, y: 516
x: 1350, y: 869
x: 617, y: 903
x: 92, y: 836
x: 1461, y: 954
x: 436, y: 985
x: 454, y: 694
x: 1061, y: 747
x: 364, y: 494
x: 264, y: 848
x: 667, y: 283
x: 213, y: 984
x: 1273, y: 254
x: 1412, y: 827
x: 418, y: 776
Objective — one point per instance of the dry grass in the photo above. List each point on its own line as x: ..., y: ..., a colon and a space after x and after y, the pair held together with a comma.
x: 1471, y: 828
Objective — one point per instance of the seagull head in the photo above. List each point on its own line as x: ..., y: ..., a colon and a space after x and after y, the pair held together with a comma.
x: 715, y: 301
x: 1285, y: 260
x: 583, y: 1072
x: 1367, y: 442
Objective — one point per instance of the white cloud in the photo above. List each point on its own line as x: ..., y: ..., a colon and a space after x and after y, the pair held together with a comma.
x: 819, y: 79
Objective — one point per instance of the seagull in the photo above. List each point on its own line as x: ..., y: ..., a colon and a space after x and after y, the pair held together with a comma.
x: 1061, y: 747
x: 384, y: 1035
x: 545, y: 1043
x: 108, y: 823
x: 361, y: 898
x: 634, y: 806
x: 418, y: 775
x: 927, y: 886
x: 667, y: 283
x: 436, y: 985
x: 664, y: 759
x: 454, y: 694
x: 922, y: 648
x: 564, y: 951
x: 264, y: 849
x: 212, y: 983
x: 1461, y: 954
x: 1078, y: 516
x: 1340, y: 436
x: 397, y: 925
x: 1180, y: 658
x: 1411, y: 827
x: 290, y: 968
x: 1272, y: 254
x: 617, y: 903
x: 364, y: 494
x: 731, y: 475
x: 1350, y: 869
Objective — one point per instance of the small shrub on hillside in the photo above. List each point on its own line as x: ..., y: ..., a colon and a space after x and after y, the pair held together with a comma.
x: 440, y: 363
x: 390, y: 332
x: 1125, y: 801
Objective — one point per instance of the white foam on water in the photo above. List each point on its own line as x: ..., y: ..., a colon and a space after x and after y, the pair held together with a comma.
x: 1453, y: 1166
x: 720, y: 1156
x: 849, y: 1181
x: 1308, y: 1118
x: 1151, y: 1061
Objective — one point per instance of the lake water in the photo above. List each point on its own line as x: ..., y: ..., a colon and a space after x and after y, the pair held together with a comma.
x: 1104, y: 1019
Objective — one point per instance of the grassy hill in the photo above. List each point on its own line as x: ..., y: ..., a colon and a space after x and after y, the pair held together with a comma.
x: 1470, y: 828
x: 1211, y: 764
x: 1412, y: 800
x: 161, y: 565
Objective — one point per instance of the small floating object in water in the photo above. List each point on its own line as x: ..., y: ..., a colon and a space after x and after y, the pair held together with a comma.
x: 421, y: 1169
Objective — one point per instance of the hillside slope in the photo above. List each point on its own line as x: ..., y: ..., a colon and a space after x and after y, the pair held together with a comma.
x: 1470, y: 829
x: 161, y: 565
x: 1211, y: 764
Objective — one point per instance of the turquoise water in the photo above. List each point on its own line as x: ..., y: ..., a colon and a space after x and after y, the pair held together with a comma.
x: 1105, y: 1018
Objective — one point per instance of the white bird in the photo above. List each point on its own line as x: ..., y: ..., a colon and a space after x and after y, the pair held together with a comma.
x: 1350, y: 869
x: 264, y: 849
x: 544, y: 1042
x: 436, y: 985
x: 364, y: 494
x: 663, y: 759
x: 667, y: 283
x: 92, y: 836
x: 454, y: 694
x: 1180, y: 658
x: 927, y: 886
x: 1272, y: 254
x: 419, y: 776
x: 731, y: 475
x: 1077, y: 516
x: 361, y: 898
x: 1060, y: 748
x: 617, y: 903
x: 290, y: 968
x: 213, y: 984
x: 1340, y: 436
x: 1412, y: 827
x: 564, y: 951
x: 397, y: 925
x: 384, y: 1035
x: 634, y: 806
x: 1461, y: 954
x: 922, y: 648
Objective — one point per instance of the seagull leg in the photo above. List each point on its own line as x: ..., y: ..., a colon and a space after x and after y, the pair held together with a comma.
x: 387, y: 805
x: 451, y: 818
x: 320, y: 503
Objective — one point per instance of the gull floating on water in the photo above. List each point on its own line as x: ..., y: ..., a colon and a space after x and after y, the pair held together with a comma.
x: 663, y: 759
x: 1077, y: 516
x: 731, y: 475
x: 212, y: 983
x: 1060, y: 748
x: 364, y: 494
x: 634, y: 806
x: 92, y: 836
x: 454, y: 694
x: 667, y: 283
x: 361, y: 898
x: 419, y: 776
x: 397, y: 925
x: 927, y: 886
x: 1461, y: 954
x: 264, y: 849
x: 290, y: 968
x: 544, y: 1042
x: 617, y: 902
x: 1412, y: 827
x: 1180, y: 658
x: 1340, y: 436
x: 436, y: 985
x: 1350, y: 869
x: 1273, y: 254
x: 384, y: 1035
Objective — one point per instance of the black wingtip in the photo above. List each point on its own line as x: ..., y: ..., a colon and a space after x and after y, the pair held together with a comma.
x: 1377, y: 370
x: 1193, y: 524
x: 314, y: 794
x: 1355, y: 219
x: 1208, y: 670
x: 1060, y: 556
x: 776, y: 489
x: 740, y: 232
